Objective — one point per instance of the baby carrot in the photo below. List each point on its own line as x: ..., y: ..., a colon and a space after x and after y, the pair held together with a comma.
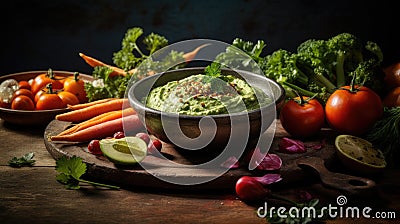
x: 112, y: 115
x: 83, y: 105
x: 92, y: 111
x: 102, y: 130
x: 190, y: 55
x: 94, y: 62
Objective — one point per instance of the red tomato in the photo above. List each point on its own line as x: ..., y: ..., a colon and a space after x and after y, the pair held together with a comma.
x: 38, y: 94
x: 42, y: 80
x: 353, y: 111
x: 302, y: 119
x: 76, y: 86
x: 392, y: 75
x: 68, y: 98
x: 392, y: 99
x: 248, y: 189
x: 50, y: 100
x: 24, y: 92
x: 22, y: 102
x: 24, y: 85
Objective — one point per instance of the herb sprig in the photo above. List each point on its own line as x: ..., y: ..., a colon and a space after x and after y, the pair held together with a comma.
x: 26, y: 160
x: 70, y: 172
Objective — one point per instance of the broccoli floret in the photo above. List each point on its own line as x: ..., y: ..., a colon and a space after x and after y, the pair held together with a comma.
x: 349, y: 53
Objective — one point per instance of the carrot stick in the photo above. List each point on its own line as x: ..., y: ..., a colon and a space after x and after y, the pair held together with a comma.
x: 118, y: 71
x: 83, y: 105
x: 77, y: 126
x: 102, y: 130
x: 190, y: 55
x: 94, y: 62
x: 92, y: 111
x: 112, y: 115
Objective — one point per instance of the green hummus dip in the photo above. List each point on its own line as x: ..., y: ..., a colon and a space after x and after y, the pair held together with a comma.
x: 206, y: 95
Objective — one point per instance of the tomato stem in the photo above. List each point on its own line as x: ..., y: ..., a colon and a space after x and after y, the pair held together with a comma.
x: 76, y: 76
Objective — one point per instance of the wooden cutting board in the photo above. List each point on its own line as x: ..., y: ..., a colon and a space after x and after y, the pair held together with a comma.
x: 294, y: 167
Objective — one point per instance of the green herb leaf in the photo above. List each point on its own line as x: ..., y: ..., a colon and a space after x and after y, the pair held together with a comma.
x: 70, y: 170
x: 26, y: 160
x: 213, y: 70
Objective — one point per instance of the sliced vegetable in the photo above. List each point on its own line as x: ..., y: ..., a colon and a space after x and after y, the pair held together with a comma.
x: 124, y: 151
x: 359, y: 154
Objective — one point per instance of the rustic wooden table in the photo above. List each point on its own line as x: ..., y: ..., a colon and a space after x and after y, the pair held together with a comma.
x: 32, y: 194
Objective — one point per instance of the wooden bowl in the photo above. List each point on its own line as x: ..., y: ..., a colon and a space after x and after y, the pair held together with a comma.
x: 37, y: 117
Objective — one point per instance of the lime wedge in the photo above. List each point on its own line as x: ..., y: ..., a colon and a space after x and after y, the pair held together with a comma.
x: 124, y: 151
x: 359, y: 154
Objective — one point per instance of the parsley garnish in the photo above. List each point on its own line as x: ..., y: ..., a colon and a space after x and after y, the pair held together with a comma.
x: 71, y: 170
x: 26, y: 160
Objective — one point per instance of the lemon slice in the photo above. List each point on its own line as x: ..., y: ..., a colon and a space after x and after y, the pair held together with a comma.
x: 359, y: 154
x: 124, y: 151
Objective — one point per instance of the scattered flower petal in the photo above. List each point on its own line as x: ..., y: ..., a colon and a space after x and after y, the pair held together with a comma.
x: 269, y: 178
x: 232, y: 163
x: 291, y: 146
x: 270, y: 162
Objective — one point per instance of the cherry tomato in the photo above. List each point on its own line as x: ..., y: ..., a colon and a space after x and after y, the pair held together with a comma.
x: 119, y: 134
x: 24, y: 85
x: 392, y: 99
x: 24, y: 92
x: 249, y: 189
x: 68, y: 98
x: 94, y: 147
x: 38, y: 94
x: 353, y: 110
x: 154, y: 146
x: 392, y: 75
x: 22, y: 102
x: 302, y: 117
x: 76, y: 86
x: 50, y: 100
x: 144, y: 136
x: 42, y: 80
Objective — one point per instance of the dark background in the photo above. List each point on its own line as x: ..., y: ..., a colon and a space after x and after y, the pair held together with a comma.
x: 37, y: 35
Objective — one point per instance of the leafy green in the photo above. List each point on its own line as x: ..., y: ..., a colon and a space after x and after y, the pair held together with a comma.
x: 385, y: 135
x: 70, y: 172
x: 213, y: 70
x: 26, y: 160
x: 241, y: 54
x: 129, y: 57
x: 105, y: 86
x: 318, y: 66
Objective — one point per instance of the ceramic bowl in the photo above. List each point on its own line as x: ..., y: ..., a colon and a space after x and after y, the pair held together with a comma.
x: 241, y: 126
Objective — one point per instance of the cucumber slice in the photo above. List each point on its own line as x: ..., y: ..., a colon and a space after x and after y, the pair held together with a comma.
x: 124, y: 151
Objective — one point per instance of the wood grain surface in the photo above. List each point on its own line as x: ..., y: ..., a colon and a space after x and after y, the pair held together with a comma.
x: 32, y: 194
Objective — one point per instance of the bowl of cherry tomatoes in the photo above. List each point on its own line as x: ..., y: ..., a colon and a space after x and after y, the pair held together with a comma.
x: 36, y: 97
